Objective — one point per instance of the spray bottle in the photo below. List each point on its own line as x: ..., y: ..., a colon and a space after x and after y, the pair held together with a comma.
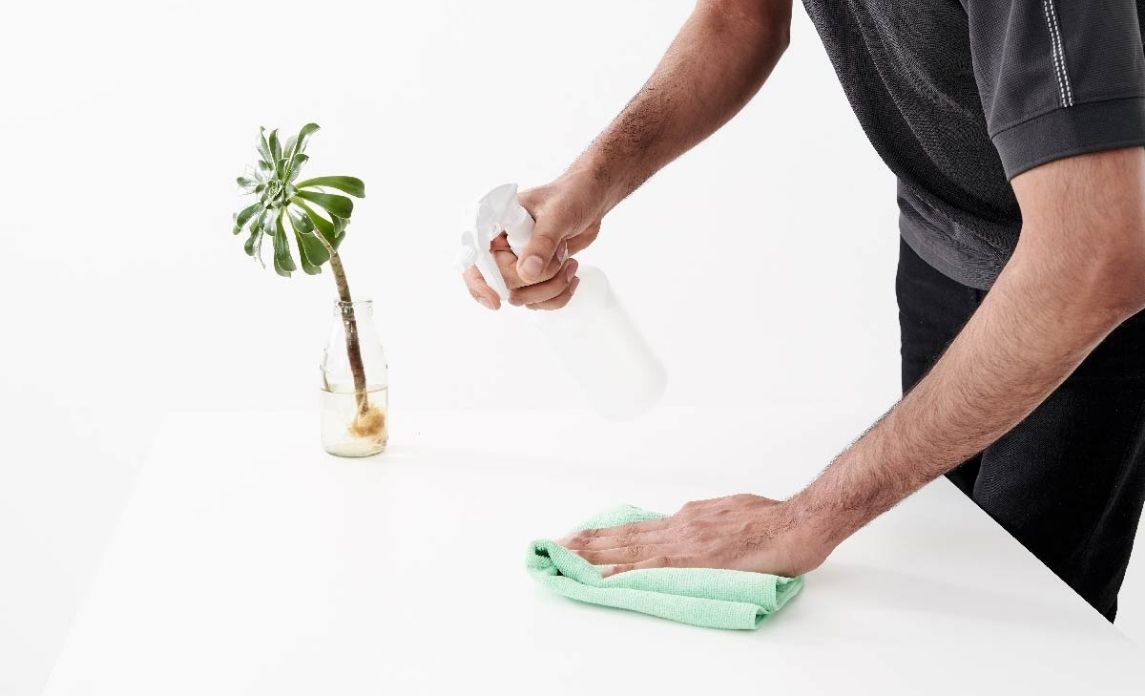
x: 592, y: 335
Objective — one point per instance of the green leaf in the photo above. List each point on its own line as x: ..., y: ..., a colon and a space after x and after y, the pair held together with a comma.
x: 244, y: 216
x: 347, y: 184
x: 262, y: 222
x: 339, y: 230
x: 325, y: 227
x: 295, y: 166
x: 283, y: 261
x: 298, y: 144
x: 264, y: 147
x: 301, y: 221
x: 332, y: 230
x: 246, y: 184
x: 275, y: 148
x: 308, y: 267
x: 311, y: 252
x: 277, y: 159
x: 334, y: 204
x: 248, y: 245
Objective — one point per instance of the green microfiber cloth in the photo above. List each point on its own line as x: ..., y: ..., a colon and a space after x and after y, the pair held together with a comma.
x: 697, y: 596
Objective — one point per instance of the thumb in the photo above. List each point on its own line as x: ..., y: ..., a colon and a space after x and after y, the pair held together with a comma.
x: 539, y: 252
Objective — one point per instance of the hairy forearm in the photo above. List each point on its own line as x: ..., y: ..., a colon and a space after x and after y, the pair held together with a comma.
x: 1024, y: 340
x: 1073, y: 278
x: 717, y: 62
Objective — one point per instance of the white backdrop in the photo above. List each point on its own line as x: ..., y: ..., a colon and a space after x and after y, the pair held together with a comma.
x: 760, y: 265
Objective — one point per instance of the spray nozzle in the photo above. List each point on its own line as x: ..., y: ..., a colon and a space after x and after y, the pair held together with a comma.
x: 497, y: 211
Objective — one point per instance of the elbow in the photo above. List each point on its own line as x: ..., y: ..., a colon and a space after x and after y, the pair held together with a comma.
x: 768, y: 22
x: 1126, y: 297
x: 1084, y: 232
x: 772, y: 21
x: 1113, y: 281
x: 781, y: 38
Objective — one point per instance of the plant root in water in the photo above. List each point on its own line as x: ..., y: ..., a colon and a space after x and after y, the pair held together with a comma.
x: 370, y: 422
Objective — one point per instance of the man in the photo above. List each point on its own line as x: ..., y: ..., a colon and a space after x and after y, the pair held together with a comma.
x: 1023, y: 360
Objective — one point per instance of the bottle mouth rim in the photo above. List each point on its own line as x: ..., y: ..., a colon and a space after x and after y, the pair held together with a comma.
x: 360, y: 302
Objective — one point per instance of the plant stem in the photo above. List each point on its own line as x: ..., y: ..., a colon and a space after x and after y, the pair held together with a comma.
x: 346, y: 307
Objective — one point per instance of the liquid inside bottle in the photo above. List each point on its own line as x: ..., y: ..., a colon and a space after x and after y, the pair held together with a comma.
x: 347, y: 433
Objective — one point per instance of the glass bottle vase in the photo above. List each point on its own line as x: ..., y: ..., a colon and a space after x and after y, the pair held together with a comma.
x: 355, y: 384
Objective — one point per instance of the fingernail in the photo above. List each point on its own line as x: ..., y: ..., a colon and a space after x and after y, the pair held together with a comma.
x: 485, y: 302
x: 572, y: 286
x: 533, y: 266
x: 570, y: 270
x: 563, y: 253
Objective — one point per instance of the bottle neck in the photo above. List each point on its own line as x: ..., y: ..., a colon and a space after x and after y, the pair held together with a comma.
x: 359, y: 309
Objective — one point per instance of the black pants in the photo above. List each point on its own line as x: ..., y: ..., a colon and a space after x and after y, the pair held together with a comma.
x: 1068, y: 482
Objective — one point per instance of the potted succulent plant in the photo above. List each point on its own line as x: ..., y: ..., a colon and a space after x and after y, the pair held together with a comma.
x: 311, y: 216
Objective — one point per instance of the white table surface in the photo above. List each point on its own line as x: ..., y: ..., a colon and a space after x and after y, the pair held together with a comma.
x: 249, y: 562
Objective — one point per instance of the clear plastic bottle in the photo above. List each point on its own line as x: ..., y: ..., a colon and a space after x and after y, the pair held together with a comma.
x: 593, y: 335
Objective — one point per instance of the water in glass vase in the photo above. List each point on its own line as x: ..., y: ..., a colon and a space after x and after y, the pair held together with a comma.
x: 354, y: 424
x: 349, y: 432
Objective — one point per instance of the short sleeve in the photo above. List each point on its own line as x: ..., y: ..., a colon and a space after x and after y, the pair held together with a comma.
x: 1058, y: 77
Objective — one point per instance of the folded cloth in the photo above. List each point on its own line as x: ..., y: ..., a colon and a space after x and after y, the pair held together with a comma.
x: 697, y: 596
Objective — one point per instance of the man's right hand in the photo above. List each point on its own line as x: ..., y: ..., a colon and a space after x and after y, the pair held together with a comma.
x: 567, y: 212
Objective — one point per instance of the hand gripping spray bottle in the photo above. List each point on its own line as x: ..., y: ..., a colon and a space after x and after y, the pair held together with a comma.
x: 593, y: 335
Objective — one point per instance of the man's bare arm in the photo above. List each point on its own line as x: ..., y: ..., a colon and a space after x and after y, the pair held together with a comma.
x: 1077, y: 272
x: 717, y: 62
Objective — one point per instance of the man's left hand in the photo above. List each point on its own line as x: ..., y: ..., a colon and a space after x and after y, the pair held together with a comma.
x: 739, y: 532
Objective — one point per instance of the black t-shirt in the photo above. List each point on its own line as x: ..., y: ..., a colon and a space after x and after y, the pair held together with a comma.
x: 959, y: 96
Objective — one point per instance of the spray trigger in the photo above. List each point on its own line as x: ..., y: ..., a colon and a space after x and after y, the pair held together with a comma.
x: 497, y: 211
